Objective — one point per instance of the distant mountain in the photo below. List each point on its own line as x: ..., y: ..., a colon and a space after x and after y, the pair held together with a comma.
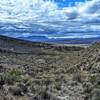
x: 63, y: 41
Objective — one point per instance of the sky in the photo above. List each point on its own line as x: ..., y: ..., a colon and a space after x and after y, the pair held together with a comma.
x: 64, y: 3
x: 51, y: 19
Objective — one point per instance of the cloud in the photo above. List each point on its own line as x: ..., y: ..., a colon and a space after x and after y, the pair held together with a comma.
x: 32, y: 17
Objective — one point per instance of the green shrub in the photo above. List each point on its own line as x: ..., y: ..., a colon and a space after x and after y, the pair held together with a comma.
x: 12, y: 76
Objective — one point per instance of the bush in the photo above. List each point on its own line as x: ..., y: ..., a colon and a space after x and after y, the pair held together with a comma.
x: 77, y: 77
x: 16, y: 91
x: 95, y: 94
x: 10, y: 77
x: 2, y: 81
x: 23, y: 88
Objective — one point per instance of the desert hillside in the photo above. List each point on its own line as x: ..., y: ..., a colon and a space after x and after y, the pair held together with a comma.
x: 43, y: 71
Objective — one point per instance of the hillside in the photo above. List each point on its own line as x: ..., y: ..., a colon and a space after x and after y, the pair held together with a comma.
x: 42, y: 71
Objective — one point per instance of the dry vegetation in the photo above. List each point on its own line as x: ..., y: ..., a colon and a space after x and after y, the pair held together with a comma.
x: 40, y: 71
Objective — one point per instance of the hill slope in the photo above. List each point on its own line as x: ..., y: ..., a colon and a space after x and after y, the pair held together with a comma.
x: 41, y: 71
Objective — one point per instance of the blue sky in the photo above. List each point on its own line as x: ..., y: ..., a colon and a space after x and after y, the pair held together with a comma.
x: 64, y: 3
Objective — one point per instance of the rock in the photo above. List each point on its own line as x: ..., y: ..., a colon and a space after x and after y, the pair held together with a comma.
x: 63, y: 98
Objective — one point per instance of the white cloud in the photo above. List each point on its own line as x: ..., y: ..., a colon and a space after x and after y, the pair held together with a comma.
x: 37, y: 14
